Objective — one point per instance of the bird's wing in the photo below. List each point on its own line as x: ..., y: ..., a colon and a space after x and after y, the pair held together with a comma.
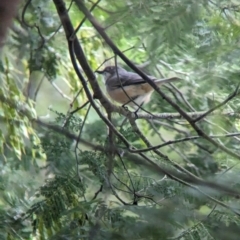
x: 126, y: 79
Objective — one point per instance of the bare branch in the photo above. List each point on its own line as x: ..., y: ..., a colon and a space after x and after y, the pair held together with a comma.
x: 172, y: 69
x: 69, y: 113
x: 96, y: 193
x: 83, y: 20
x: 60, y: 91
x: 184, y: 140
x: 179, y: 116
x: 231, y: 96
x: 78, y: 139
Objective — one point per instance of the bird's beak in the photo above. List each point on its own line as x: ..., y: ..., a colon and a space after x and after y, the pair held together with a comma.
x: 100, y: 72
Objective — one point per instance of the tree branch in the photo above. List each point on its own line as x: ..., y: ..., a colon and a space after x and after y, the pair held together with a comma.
x: 234, y: 94
x: 101, y: 31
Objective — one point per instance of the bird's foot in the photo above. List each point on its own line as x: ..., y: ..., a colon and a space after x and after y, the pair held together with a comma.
x: 125, y: 107
x: 135, y: 113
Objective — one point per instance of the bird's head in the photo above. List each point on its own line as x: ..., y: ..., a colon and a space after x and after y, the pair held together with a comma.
x: 110, y: 71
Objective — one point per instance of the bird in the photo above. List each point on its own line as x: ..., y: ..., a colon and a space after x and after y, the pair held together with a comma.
x: 129, y: 88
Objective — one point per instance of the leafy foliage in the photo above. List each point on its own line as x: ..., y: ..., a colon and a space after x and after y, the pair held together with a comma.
x: 70, y: 170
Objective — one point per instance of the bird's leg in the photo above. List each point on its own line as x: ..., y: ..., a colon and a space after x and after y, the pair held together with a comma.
x: 139, y: 107
x: 130, y: 100
x: 124, y: 105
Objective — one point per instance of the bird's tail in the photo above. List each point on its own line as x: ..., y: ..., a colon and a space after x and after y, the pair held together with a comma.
x: 166, y: 80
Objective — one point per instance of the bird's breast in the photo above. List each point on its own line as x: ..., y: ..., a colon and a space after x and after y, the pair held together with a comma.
x: 138, y: 93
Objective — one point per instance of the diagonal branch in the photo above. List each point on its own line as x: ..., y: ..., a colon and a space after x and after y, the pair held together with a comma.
x: 75, y: 49
x: 183, y: 140
x: 179, y: 116
x: 115, y: 49
x: 230, y: 97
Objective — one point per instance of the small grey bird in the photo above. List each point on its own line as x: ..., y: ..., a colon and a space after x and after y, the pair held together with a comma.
x: 128, y: 87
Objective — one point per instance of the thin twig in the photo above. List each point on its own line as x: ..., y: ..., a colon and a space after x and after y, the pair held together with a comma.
x: 230, y: 97
x: 83, y: 20
x: 69, y: 114
x: 32, y: 26
x: 78, y: 139
x: 184, y: 140
x: 38, y: 88
x: 60, y: 91
x: 130, y: 190
x: 96, y: 193
x: 172, y: 147
x: 191, y: 108
x: 172, y: 69
x: 126, y: 171
x: 79, y: 108
x: 166, y: 125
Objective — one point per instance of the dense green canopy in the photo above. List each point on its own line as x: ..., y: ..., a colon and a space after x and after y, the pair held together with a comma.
x: 76, y: 165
